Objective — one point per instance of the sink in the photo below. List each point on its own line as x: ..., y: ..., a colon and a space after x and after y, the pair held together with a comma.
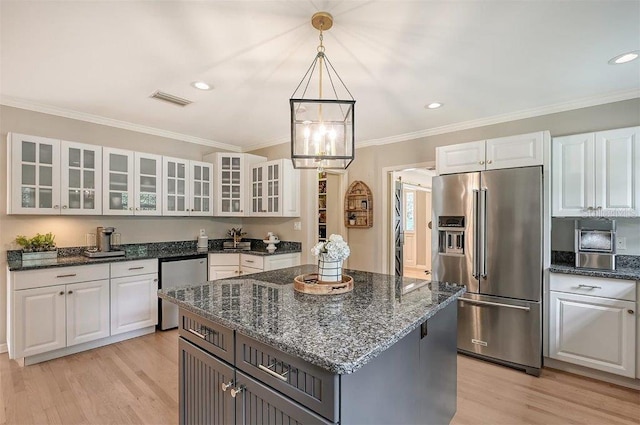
x: 243, y: 246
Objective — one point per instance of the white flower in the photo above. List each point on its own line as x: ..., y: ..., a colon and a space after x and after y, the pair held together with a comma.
x: 335, y: 248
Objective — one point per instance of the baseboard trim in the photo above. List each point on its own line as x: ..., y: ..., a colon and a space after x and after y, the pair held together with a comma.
x: 592, y: 373
x: 50, y: 355
x: 4, y: 348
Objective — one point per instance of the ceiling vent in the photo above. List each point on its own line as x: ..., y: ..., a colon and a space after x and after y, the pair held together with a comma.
x: 170, y: 98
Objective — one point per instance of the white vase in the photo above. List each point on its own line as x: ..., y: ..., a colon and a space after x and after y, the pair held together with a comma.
x: 329, y: 270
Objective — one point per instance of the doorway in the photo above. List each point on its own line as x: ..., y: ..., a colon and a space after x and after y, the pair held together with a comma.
x: 331, y: 187
x: 410, y: 217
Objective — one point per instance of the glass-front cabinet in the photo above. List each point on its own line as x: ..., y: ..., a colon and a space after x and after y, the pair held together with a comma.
x: 132, y: 183
x: 201, y: 188
x: 230, y: 169
x: 35, y: 175
x: 81, y: 179
x: 274, y: 189
x: 176, y: 186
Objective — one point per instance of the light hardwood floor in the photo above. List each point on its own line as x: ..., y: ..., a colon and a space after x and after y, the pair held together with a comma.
x: 136, y: 382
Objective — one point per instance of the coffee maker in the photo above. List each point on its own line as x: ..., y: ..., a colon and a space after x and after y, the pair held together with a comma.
x: 104, y: 246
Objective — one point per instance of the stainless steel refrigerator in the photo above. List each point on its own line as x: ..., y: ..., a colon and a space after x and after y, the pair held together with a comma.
x: 489, y: 238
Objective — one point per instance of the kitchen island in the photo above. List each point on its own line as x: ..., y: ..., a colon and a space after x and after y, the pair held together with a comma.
x: 253, y: 350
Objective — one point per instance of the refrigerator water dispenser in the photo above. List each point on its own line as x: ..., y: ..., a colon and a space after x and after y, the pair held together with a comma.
x: 451, y: 235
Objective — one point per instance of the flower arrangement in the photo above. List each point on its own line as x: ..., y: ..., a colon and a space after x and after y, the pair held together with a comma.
x: 335, y: 248
x: 38, y: 243
x: 236, y: 233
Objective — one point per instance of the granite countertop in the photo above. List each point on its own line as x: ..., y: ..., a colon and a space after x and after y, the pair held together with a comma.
x: 627, y: 266
x: 73, y: 256
x: 630, y: 273
x: 339, y: 333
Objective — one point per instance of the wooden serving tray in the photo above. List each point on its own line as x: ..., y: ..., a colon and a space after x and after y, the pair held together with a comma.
x: 309, y: 284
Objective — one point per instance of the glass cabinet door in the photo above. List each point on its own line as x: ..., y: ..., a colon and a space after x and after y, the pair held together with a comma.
x: 35, y: 175
x: 273, y: 188
x: 257, y: 206
x: 118, y: 187
x: 81, y: 178
x: 176, y: 186
x: 201, y: 188
x: 148, y: 183
x: 230, y: 174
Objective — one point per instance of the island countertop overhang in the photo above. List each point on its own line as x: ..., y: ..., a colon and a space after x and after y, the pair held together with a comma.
x: 339, y: 333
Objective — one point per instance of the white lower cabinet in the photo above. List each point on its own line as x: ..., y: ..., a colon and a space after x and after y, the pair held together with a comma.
x: 134, y: 295
x: 594, y: 331
x: 39, y: 321
x: 233, y: 264
x: 87, y: 311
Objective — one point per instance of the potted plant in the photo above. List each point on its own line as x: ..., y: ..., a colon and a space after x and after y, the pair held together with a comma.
x: 236, y: 234
x: 331, y: 254
x: 39, y: 247
x: 352, y: 219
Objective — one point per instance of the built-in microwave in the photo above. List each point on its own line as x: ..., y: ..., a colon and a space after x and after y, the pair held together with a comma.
x: 595, y: 244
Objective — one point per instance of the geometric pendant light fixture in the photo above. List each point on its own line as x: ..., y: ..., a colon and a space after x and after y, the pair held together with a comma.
x: 322, y: 124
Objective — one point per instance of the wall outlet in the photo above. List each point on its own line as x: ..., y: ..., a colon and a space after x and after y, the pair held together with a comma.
x: 297, y: 225
x: 621, y: 243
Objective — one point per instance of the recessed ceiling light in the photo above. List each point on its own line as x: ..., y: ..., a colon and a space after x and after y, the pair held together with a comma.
x: 434, y: 105
x: 624, y: 58
x: 201, y: 85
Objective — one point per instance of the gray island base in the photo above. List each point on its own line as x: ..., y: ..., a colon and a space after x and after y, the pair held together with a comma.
x: 254, y: 351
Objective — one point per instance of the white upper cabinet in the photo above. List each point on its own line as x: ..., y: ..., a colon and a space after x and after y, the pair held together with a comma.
x: 34, y: 174
x: 522, y: 150
x: 147, y: 184
x: 48, y: 176
x: 274, y: 189
x: 188, y: 187
x: 81, y: 179
x: 597, y: 174
x: 118, y: 187
x: 132, y: 183
x: 231, y: 171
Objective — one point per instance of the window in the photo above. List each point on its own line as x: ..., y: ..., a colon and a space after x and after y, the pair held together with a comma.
x: 409, y: 214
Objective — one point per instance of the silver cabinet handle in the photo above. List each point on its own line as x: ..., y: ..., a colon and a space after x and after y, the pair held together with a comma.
x: 130, y: 208
x: 56, y: 206
x: 196, y: 333
x: 226, y: 386
x: 67, y: 275
x: 64, y: 207
x: 237, y: 390
x: 489, y: 303
x: 282, y: 377
x: 249, y: 261
x: 481, y: 162
x: 137, y: 209
x: 589, y: 286
x: 136, y: 268
x: 489, y: 162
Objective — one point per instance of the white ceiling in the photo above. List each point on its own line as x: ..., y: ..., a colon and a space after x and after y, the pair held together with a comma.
x: 482, y: 59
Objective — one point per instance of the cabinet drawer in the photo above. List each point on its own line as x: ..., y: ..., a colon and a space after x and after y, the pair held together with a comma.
x: 249, y: 270
x: 310, y: 385
x: 212, y: 337
x: 594, y: 286
x: 252, y: 261
x: 133, y: 268
x: 59, y: 276
x: 223, y: 259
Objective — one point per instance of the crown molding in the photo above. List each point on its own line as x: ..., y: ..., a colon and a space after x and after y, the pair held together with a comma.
x: 95, y: 119
x: 513, y: 116
x: 268, y: 144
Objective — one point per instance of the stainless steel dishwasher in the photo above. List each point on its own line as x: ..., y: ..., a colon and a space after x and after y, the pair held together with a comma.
x: 178, y: 271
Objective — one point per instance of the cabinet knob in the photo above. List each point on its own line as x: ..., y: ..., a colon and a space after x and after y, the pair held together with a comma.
x: 489, y: 161
x: 598, y: 208
x: 64, y: 207
x: 630, y: 311
x: 56, y: 206
x: 70, y: 292
x: 137, y: 209
x: 61, y: 293
x: 481, y: 163
x: 226, y: 386
x: 130, y: 208
x: 237, y: 390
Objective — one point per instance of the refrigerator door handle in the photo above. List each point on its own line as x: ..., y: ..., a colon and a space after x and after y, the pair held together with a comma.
x: 483, y: 232
x: 517, y: 307
x: 475, y: 253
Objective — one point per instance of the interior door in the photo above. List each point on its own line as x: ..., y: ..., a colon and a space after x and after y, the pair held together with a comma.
x: 409, y: 211
x: 398, y: 228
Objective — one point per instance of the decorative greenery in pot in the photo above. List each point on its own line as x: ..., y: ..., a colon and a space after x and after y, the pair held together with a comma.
x: 352, y: 219
x: 38, y: 243
x: 331, y: 254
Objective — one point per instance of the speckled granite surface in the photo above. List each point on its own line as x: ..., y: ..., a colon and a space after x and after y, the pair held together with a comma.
x: 339, y: 333
x: 73, y: 256
x: 627, y: 266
